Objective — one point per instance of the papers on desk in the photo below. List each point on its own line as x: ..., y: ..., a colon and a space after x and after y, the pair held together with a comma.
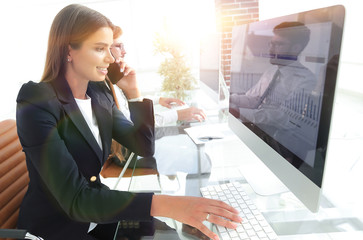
x: 207, y: 132
x: 179, y: 153
x: 145, y: 183
x: 227, y: 153
x: 111, y: 182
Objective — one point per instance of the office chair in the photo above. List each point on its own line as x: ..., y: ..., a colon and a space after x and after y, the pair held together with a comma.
x: 13, y: 181
x: 17, y: 234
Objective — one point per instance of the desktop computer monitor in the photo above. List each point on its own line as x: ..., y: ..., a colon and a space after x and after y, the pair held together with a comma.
x: 209, y: 65
x: 283, y: 77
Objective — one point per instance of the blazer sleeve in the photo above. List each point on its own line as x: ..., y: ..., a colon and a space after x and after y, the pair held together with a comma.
x: 137, y: 135
x: 139, y: 138
x: 52, y: 166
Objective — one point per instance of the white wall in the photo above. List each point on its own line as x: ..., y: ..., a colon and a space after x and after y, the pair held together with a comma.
x: 24, y: 34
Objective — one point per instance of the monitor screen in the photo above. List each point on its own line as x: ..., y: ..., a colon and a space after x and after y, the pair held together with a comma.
x: 283, y: 77
x: 209, y: 65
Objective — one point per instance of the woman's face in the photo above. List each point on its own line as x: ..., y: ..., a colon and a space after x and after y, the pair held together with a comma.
x: 91, y: 60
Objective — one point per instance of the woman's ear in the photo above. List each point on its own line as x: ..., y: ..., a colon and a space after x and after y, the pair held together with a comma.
x: 70, y: 53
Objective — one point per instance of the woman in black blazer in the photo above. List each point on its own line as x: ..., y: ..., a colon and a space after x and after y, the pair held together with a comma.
x: 66, y: 148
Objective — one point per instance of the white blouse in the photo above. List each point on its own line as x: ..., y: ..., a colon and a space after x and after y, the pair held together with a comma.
x: 86, y: 109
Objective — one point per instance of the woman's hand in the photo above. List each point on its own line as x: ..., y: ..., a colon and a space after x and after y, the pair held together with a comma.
x: 168, y: 102
x: 194, y: 211
x: 128, y: 83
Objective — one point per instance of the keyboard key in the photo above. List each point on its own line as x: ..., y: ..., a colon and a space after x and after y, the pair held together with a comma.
x: 251, y: 232
x: 234, y: 204
x: 247, y: 226
x: 243, y: 235
x: 225, y: 236
x: 250, y: 216
x: 233, y: 233
x: 240, y: 229
x: 221, y: 229
x: 254, y: 222
x: 261, y: 234
x: 257, y: 228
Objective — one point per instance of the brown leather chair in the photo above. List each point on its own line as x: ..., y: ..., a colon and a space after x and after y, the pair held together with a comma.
x: 13, y: 174
x: 13, y: 181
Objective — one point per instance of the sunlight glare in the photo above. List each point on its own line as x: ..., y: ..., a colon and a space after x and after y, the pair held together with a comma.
x: 185, y: 22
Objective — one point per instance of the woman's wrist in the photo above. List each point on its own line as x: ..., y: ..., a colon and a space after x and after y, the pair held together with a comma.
x: 132, y: 94
x: 160, y: 206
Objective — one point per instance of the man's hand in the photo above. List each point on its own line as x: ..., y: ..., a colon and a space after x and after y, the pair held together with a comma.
x: 191, y: 113
x: 169, y: 102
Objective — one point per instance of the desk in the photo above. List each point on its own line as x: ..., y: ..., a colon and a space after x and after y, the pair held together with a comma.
x: 189, y: 168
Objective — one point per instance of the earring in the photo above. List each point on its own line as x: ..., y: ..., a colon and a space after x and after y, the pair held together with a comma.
x: 68, y: 59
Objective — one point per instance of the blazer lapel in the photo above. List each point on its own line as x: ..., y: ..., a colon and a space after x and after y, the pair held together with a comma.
x: 70, y: 106
x: 103, y: 113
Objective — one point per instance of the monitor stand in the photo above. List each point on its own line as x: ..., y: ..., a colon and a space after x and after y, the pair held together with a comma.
x: 232, y: 152
x: 261, y: 179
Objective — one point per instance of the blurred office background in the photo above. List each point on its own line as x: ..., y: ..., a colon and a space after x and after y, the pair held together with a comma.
x: 25, y: 26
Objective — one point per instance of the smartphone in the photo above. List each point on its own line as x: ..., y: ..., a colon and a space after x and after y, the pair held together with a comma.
x: 114, y: 73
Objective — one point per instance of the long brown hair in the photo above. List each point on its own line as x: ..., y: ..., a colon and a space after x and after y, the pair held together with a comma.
x: 71, y: 26
x: 116, y: 148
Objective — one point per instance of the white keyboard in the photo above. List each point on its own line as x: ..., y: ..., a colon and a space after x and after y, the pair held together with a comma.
x: 253, y: 226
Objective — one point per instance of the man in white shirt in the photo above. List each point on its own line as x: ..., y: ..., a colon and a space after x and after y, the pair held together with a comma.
x: 161, y: 118
x: 170, y: 116
x: 281, y: 82
x: 280, y: 102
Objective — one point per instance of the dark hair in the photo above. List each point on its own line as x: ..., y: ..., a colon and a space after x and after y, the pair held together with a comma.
x: 296, y: 32
x: 71, y: 27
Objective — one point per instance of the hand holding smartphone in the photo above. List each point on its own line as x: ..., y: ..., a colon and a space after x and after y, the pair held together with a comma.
x: 128, y: 84
x: 114, y: 72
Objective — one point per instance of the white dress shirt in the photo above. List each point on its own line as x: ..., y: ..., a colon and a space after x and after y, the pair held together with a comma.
x: 161, y: 118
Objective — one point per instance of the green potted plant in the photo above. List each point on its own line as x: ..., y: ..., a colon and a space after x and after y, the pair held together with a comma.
x: 177, y: 76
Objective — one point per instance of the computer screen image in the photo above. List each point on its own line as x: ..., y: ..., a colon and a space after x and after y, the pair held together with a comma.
x: 283, y: 77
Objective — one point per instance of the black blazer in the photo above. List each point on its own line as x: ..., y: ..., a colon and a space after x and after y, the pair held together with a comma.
x: 62, y: 156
